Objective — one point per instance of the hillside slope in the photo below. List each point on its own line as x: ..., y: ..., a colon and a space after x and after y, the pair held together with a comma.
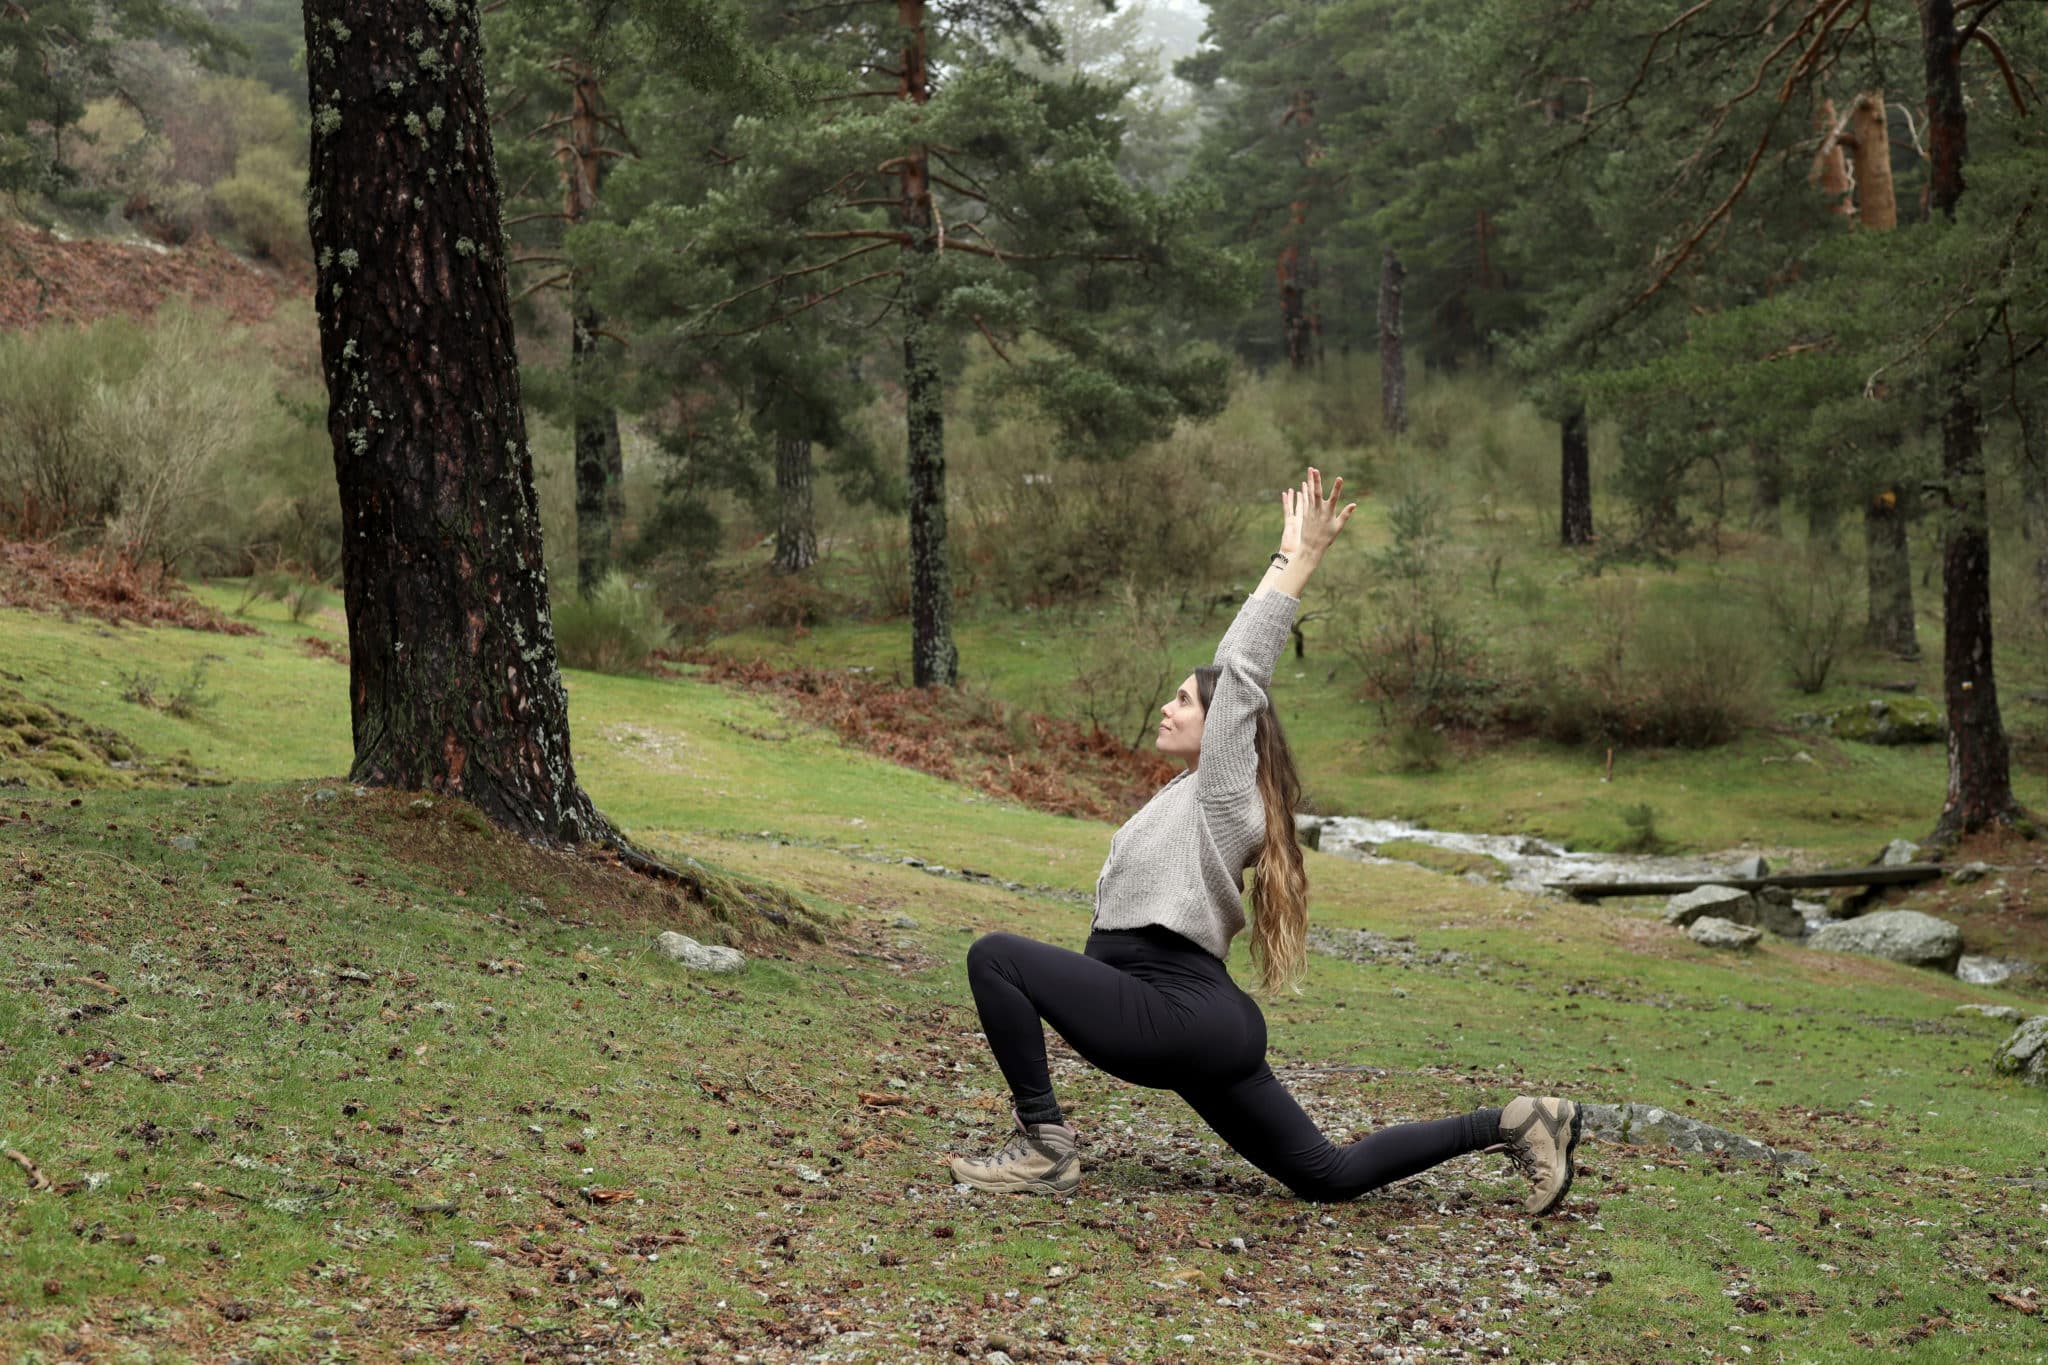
x: 298, y: 1072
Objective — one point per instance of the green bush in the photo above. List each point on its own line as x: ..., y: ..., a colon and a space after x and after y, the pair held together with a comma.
x: 614, y: 630
x: 52, y: 478
x: 264, y: 202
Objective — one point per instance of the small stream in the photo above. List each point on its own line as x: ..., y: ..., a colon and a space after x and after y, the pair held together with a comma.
x: 1533, y: 865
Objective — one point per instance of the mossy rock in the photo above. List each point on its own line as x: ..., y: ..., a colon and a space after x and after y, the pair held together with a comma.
x: 1888, y: 720
x: 47, y: 750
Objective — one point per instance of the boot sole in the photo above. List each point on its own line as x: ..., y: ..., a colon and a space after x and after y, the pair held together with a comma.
x: 1021, y: 1187
x: 1570, y: 1166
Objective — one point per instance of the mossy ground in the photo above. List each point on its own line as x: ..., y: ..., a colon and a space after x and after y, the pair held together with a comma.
x: 352, y: 1077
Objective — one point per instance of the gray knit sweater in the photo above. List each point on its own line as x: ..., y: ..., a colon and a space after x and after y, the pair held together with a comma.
x: 1179, y: 862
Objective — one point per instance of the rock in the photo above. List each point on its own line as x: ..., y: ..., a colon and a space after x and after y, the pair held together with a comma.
x: 2006, y: 1012
x: 1308, y: 831
x: 1979, y: 970
x: 1904, y: 720
x: 1722, y: 902
x: 700, y: 957
x: 1898, y: 853
x: 1710, y: 931
x: 903, y: 922
x: 1898, y: 935
x: 1779, y: 913
x: 1750, y: 868
x: 532, y: 905
x: 326, y: 795
x: 1969, y: 872
x: 2025, y: 1054
x: 1649, y: 1125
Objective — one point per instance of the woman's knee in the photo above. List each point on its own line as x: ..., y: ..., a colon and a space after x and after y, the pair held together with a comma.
x: 992, y: 952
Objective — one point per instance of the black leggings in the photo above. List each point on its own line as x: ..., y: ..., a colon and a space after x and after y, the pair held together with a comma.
x: 1155, y: 1009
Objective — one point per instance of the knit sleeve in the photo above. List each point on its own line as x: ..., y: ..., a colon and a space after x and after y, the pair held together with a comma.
x: 1229, y: 765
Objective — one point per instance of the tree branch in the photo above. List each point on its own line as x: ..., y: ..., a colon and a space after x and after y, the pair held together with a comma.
x: 2012, y: 82
x: 548, y: 283
x: 994, y: 345
x: 809, y: 304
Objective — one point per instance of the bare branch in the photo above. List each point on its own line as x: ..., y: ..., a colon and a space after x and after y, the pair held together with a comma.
x: 809, y: 304
x: 788, y: 275
x: 536, y: 217
x: 550, y: 282
x: 2012, y: 82
x: 994, y: 345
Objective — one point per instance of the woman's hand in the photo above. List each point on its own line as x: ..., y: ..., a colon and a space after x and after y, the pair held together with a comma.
x: 1312, y: 520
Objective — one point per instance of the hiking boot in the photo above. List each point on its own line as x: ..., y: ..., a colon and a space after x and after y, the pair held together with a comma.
x: 1539, y: 1136
x: 1042, y: 1158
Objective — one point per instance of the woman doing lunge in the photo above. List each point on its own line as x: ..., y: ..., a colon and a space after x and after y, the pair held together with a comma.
x: 1150, y: 1000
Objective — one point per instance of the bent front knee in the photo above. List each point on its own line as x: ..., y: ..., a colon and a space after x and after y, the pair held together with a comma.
x: 992, y: 952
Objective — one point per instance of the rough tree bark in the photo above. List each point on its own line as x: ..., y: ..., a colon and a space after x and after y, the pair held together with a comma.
x: 453, y: 679
x: 1769, y: 476
x: 1979, y: 762
x: 1889, y: 572
x: 1393, y: 355
x: 934, y: 659
x: 1576, y: 513
x: 1888, y: 565
x: 796, y: 534
x: 582, y: 154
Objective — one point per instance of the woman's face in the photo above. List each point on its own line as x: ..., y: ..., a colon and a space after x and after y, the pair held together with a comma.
x: 1180, y: 729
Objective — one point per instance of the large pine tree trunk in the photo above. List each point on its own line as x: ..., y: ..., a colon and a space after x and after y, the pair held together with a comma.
x: 453, y: 679
x: 1889, y: 572
x: 1393, y: 352
x: 1979, y: 763
x: 934, y: 661
x: 1887, y: 562
x: 796, y: 533
x: 596, y: 421
x: 1576, y: 510
x: 596, y: 430
x: 1768, y: 471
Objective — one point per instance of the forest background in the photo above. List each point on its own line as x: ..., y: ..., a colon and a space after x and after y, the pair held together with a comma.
x: 1671, y: 353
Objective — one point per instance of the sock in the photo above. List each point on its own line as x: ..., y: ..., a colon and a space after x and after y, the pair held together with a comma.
x: 1483, y: 1129
x: 1045, y: 1109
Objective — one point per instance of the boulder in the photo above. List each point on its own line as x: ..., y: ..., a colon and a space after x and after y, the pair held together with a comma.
x: 1969, y: 872
x: 700, y: 957
x: 1722, y: 902
x: 1750, y: 868
x: 1647, y: 1125
x: 2025, y: 1054
x: 1709, y: 931
x: 1904, y: 720
x: 1898, y: 853
x: 2005, y: 1012
x: 1898, y: 935
x: 1779, y: 913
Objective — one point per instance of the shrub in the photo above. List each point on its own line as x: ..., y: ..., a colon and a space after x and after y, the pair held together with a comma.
x: 1127, y: 666
x: 614, y: 630
x: 1809, y: 610
x: 1643, y: 837
x: 264, y: 202
x: 1700, y: 673
x: 53, y: 480
x: 1404, y: 630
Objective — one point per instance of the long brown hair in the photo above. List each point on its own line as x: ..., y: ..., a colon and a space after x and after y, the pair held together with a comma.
x: 1280, y: 884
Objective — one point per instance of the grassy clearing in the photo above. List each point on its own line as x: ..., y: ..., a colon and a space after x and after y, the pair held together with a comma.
x: 352, y: 1077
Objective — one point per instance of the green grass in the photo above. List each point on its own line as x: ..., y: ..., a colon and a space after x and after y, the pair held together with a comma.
x: 324, y: 1036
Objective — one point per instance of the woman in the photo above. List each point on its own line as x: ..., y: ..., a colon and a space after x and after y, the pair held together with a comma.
x: 1151, y: 1002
